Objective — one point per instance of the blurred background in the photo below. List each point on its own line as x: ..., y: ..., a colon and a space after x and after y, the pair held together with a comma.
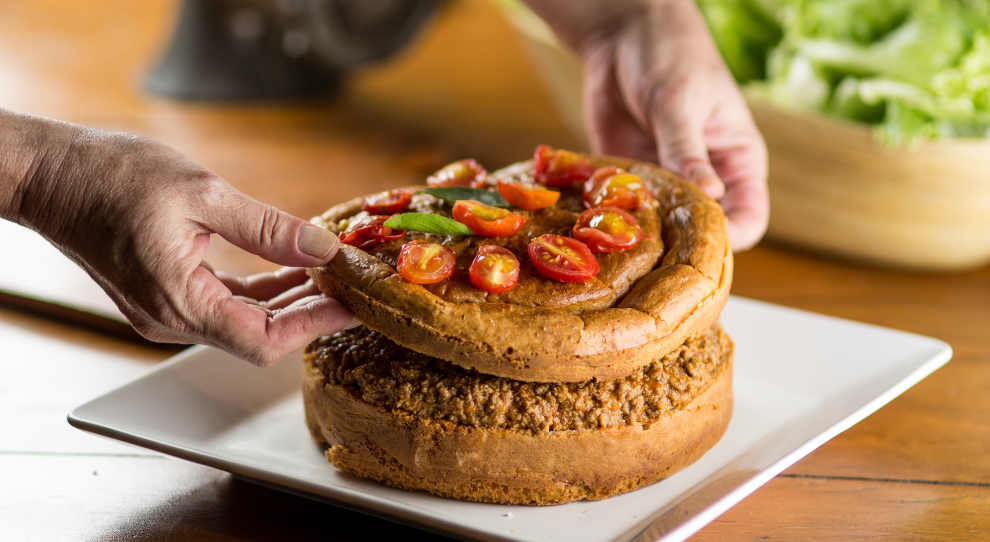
x: 299, y: 112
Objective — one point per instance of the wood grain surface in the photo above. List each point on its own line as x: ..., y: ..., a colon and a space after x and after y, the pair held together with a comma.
x: 918, y: 469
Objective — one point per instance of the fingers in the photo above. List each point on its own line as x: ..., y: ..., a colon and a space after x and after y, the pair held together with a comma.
x: 742, y: 163
x: 263, y: 286
x: 678, y: 117
x: 746, y: 227
x: 264, y: 230
x: 259, y: 334
x: 264, y: 337
x: 271, y: 290
x: 747, y: 209
x: 291, y: 296
x: 611, y: 128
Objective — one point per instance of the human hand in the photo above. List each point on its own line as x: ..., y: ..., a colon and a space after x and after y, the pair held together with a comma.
x: 656, y: 89
x: 138, y: 217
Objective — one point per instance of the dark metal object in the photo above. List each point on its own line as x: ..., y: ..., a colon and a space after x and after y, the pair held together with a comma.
x: 258, y: 49
x: 81, y: 318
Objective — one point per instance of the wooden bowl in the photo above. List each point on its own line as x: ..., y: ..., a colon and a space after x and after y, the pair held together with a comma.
x: 834, y: 189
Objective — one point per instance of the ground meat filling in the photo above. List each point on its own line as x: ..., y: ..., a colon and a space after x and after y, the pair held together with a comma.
x: 392, y: 377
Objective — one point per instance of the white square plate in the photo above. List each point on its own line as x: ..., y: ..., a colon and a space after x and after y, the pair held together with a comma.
x: 800, y: 379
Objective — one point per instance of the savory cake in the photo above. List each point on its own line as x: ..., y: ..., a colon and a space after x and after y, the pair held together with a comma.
x: 561, y: 343
x: 551, y: 331
x: 420, y: 423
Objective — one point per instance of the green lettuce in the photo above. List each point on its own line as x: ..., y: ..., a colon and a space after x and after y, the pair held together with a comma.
x: 914, y: 69
x: 913, y: 52
x: 749, y: 36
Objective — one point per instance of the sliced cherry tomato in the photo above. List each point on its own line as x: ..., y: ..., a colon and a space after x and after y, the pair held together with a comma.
x: 614, y: 187
x: 607, y: 229
x: 487, y: 220
x: 527, y: 196
x: 494, y: 269
x: 460, y: 173
x: 372, y: 220
x: 555, y: 167
x: 563, y: 259
x: 369, y: 231
x: 389, y: 202
x: 422, y: 262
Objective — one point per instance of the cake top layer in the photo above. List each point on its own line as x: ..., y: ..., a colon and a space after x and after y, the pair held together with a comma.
x: 644, y: 302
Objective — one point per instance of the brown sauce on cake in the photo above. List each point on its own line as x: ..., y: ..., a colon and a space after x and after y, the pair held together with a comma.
x: 619, y: 270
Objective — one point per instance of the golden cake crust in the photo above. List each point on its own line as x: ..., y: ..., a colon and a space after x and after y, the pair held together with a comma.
x: 505, y: 466
x: 682, y: 296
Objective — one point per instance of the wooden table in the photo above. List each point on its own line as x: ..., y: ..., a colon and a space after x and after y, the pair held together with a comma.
x: 919, y: 469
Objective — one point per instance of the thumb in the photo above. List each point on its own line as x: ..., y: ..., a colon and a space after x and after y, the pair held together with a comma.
x: 266, y: 231
x: 681, y: 146
x: 611, y: 127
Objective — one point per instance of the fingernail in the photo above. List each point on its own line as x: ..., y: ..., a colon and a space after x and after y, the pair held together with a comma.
x: 707, y: 180
x: 354, y: 324
x: 317, y: 242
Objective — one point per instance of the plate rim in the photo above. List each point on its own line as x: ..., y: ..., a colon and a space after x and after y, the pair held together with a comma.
x: 412, y: 516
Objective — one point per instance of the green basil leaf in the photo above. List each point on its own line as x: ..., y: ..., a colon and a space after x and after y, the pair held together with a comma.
x: 454, y: 193
x: 428, y: 223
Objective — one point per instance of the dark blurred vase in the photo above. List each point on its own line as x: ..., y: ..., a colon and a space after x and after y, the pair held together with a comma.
x: 269, y: 49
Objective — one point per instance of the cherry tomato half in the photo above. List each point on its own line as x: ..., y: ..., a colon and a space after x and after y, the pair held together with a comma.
x: 386, y: 203
x: 495, y: 269
x: 607, y: 229
x: 487, y: 220
x: 369, y: 231
x: 527, y: 196
x: 563, y: 259
x: 422, y: 262
x: 555, y: 167
x: 614, y: 187
x: 460, y: 173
